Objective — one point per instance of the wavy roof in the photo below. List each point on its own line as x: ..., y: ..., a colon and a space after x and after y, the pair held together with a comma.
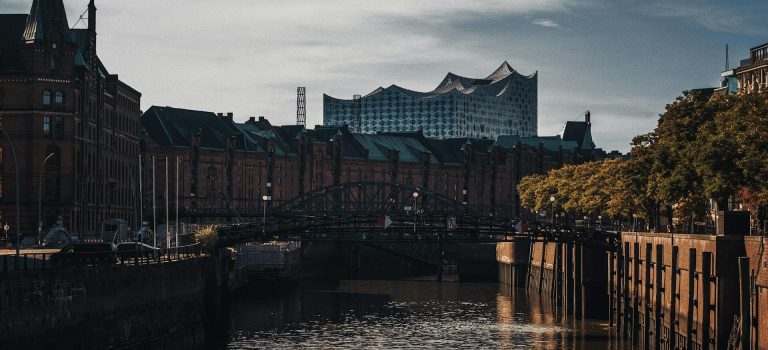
x: 496, y: 84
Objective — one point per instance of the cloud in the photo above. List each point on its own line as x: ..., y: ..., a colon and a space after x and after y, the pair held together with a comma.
x: 546, y: 23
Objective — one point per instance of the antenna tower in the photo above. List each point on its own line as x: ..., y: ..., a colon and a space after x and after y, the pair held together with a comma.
x: 301, y: 106
x: 356, y: 111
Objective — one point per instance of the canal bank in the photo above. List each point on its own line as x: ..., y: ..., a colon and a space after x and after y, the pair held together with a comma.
x: 657, y: 290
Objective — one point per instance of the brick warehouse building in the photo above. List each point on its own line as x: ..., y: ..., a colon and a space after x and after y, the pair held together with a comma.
x: 225, y: 167
x: 57, y: 97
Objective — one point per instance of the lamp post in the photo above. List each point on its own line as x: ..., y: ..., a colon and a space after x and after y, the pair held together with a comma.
x: 40, y: 201
x: 586, y: 221
x: 552, y: 201
x: 16, y: 168
x: 634, y: 222
x: 415, y: 197
x: 599, y: 222
x: 265, y: 199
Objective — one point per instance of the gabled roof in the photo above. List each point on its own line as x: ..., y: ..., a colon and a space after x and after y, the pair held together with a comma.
x: 550, y: 143
x: 168, y: 126
x: 45, y: 16
x: 579, y: 132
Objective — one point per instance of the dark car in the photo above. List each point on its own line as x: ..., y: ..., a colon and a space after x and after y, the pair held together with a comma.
x: 85, y: 254
x: 131, y: 250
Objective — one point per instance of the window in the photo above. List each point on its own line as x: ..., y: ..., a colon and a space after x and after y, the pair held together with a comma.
x: 46, y: 126
x: 59, y: 99
x: 58, y: 126
x: 46, y: 98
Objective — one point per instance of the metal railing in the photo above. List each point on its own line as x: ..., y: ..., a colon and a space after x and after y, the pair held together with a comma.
x: 50, y: 261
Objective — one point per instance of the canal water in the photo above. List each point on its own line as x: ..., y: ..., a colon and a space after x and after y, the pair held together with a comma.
x: 364, y: 314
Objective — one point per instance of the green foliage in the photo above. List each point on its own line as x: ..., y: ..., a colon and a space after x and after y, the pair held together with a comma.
x: 207, y: 237
x: 702, y: 148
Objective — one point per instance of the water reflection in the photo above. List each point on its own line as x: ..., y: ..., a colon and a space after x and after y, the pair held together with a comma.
x: 406, y: 314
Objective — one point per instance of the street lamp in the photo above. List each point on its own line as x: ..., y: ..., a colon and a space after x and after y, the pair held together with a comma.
x: 634, y: 222
x: 16, y: 168
x: 586, y: 221
x: 552, y: 201
x: 415, y: 197
x: 264, y: 220
x: 40, y: 202
x: 600, y: 222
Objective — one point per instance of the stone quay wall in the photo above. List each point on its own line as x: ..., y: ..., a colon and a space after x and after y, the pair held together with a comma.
x: 107, y: 307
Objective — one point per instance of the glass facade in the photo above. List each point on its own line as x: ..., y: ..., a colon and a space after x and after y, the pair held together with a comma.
x: 504, y: 103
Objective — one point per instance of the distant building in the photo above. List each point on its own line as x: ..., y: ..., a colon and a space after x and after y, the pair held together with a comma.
x: 57, y: 98
x: 750, y: 76
x: 504, y: 103
x: 226, y: 168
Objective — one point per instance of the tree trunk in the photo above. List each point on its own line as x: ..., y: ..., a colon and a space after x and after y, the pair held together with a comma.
x: 670, y: 216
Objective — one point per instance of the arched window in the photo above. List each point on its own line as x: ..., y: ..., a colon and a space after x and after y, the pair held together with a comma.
x: 59, y: 99
x: 46, y: 98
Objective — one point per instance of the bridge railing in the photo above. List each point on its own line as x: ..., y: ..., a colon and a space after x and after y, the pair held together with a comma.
x: 49, y: 261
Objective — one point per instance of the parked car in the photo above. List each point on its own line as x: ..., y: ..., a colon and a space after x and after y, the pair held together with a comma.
x: 131, y: 250
x: 85, y: 254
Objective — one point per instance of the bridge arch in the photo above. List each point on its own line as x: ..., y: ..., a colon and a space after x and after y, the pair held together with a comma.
x: 372, y: 197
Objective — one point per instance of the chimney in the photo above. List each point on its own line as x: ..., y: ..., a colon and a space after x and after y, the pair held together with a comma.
x: 252, y: 120
x: 587, y: 118
x: 261, y: 118
x: 230, y: 116
x: 220, y: 115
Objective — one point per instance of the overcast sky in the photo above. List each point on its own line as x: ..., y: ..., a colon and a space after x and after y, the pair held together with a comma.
x: 623, y: 60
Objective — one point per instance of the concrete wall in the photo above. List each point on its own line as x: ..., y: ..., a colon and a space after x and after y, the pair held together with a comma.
x: 104, y: 307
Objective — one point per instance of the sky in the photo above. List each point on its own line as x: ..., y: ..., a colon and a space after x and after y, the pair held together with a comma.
x: 623, y: 60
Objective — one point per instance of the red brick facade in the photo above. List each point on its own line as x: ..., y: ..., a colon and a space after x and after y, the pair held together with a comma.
x: 56, y: 97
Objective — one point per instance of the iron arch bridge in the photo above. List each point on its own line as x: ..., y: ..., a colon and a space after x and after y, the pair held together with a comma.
x: 372, y: 197
x: 385, y: 212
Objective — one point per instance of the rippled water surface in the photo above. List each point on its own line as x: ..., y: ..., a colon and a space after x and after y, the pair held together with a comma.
x: 405, y: 314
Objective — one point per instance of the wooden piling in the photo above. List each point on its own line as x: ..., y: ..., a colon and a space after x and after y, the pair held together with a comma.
x: 691, y: 298
x: 658, y: 285
x: 626, y: 296
x: 706, y: 292
x: 635, y: 291
x: 541, y: 266
x: 647, y: 297
x: 568, y: 287
x: 557, y: 275
x: 619, y: 261
x: 745, y: 296
x: 578, y: 285
x: 673, y: 296
x: 611, y: 288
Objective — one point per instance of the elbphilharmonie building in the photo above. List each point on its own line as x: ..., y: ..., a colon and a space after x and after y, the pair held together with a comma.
x: 503, y: 103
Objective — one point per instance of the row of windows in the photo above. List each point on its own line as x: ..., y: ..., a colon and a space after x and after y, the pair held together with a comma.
x: 55, y: 129
x: 59, y: 96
